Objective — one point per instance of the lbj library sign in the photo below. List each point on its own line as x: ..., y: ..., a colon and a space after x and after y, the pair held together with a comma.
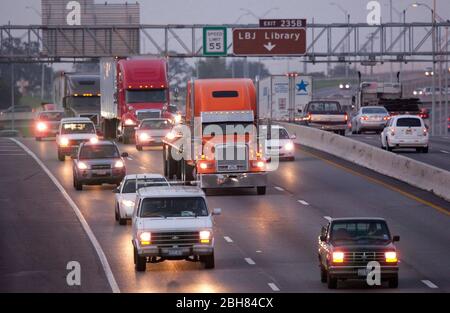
x: 66, y: 38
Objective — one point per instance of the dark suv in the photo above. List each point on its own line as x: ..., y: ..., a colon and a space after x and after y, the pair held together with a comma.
x: 98, y: 163
x: 347, y: 245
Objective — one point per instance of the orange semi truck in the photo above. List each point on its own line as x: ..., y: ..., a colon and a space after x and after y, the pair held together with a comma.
x: 218, y: 146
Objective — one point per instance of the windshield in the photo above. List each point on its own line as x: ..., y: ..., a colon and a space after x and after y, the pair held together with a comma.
x: 51, y: 116
x: 146, y: 96
x: 359, y: 232
x: 409, y: 122
x: 374, y: 111
x: 78, y: 128
x: 130, y: 184
x: 324, y: 106
x: 173, y: 207
x: 282, y: 133
x: 156, y: 124
x: 99, y: 152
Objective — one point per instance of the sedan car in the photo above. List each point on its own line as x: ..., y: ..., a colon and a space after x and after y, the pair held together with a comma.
x: 279, y: 143
x: 126, y: 193
x: 370, y: 118
x: 405, y: 131
x: 46, y: 124
x: 98, y: 163
x: 151, y: 131
x: 347, y: 245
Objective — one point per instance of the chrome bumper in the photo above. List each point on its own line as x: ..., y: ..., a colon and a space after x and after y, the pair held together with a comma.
x: 233, y: 180
x: 168, y: 252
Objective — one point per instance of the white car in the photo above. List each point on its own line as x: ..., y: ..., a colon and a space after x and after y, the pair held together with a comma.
x: 279, y: 143
x: 72, y: 132
x: 152, y: 131
x: 370, y: 118
x: 172, y: 223
x: 405, y: 131
x: 126, y: 193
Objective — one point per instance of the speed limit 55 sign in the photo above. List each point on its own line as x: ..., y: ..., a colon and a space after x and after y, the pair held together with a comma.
x: 214, y: 41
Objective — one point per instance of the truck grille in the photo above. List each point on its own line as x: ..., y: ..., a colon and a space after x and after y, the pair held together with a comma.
x: 362, y: 258
x: 101, y: 166
x: 236, y: 161
x: 180, y: 239
x: 148, y: 114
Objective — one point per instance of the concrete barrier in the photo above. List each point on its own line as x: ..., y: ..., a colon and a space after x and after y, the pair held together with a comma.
x: 413, y: 172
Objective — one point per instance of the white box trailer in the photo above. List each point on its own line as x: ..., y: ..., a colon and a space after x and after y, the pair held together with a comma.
x: 108, y: 104
x: 282, y: 96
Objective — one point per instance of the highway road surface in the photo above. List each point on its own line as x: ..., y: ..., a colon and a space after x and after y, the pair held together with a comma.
x: 438, y: 154
x: 263, y: 243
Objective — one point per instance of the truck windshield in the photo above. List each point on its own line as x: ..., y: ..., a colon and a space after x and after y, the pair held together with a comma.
x: 156, y: 124
x: 359, y: 232
x: 324, y: 107
x: 173, y: 207
x: 77, y: 128
x: 146, y: 96
x: 130, y: 184
x: 51, y: 116
x: 99, y: 152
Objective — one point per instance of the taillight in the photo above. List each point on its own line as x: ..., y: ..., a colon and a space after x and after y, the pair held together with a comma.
x: 392, y: 129
x: 364, y: 118
x: 346, y: 117
x: 308, y: 117
x: 259, y: 165
x: 425, y: 131
x: 204, y: 165
x: 385, y: 118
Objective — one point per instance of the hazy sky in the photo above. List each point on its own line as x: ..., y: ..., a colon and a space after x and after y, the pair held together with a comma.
x: 228, y: 11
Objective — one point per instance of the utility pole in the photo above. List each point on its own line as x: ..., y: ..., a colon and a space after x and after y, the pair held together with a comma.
x: 12, y: 96
x: 433, y: 88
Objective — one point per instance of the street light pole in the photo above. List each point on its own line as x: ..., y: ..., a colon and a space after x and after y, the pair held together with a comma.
x: 13, y: 100
x: 346, y: 20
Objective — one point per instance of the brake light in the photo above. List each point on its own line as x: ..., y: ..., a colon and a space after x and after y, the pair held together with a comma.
x: 41, y: 126
x: 308, y: 117
x: 346, y: 117
x: 385, y: 118
x: 205, y: 165
x: 392, y: 129
x: 364, y: 118
x: 425, y: 131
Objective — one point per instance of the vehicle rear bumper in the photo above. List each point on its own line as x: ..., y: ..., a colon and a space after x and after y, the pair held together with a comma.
x: 351, y: 272
x: 233, y: 180
x: 408, y: 143
x: 183, y: 251
x: 330, y: 127
x: 372, y: 125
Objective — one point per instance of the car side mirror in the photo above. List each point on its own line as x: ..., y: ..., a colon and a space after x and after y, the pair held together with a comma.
x: 116, y: 190
x: 396, y: 238
x: 217, y: 211
x: 293, y: 137
x: 125, y: 155
x: 323, y: 238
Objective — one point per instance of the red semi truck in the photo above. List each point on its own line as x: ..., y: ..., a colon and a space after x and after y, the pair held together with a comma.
x: 132, y: 89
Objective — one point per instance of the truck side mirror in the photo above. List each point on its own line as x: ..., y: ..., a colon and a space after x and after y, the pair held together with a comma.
x: 396, y: 238
x: 125, y: 155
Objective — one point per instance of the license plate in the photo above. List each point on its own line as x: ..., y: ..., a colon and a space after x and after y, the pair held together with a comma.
x: 232, y: 167
x: 101, y: 173
x: 408, y: 132
x: 362, y: 272
x: 175, y: 252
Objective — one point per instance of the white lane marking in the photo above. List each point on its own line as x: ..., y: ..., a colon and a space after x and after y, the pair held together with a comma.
x: 328, y: 218
x: 429, y: 284
x: 446, y: 152
x: 109, y: 275
x: 273, y: 287
x: 303, y: 202
x: 250, y: 261
x: 228, y: 239
x: 258, y: 251
x: 279, y: 188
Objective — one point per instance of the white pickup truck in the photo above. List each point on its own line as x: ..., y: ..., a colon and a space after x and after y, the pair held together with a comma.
x: 325, y: 115
x: 172, y: 223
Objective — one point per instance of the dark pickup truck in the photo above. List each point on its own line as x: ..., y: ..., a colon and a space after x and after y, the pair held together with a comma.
x: 347, y: 245
x: 326, y: 115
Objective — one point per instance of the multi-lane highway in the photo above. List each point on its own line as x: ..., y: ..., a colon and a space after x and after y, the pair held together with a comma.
x: 438, y: 155
x: 263, y: 243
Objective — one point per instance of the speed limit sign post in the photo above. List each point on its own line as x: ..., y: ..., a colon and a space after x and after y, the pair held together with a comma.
x: 214, y: 41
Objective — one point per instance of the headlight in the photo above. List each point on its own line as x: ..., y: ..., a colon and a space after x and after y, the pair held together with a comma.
x: 144, y: 137
x: 289, y: 146
x: 338, y: 257
x: 170, y: 136
x: 205, y: 236
x: 64, y: 142
x: 128, y: 203
x: 390, y: 257
x: 129, y: 122
x: 145, y: 238
x: 93, y: 140
x: 203, y: 165
x: 177, y: 118
x: 260, y: 164
x: 119, y: 164
x: 82, y: 166
x: 41, y: 126
x: 347, y: 86
x: 341, y: 86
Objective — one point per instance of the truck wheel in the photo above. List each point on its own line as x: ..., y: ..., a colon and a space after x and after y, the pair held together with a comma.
x: 388, y: 148
x: 140, y: 262
x: 122, y: 221
x: 261, y: 190
x: 425, y: 150
x: 138, y: 147
x: 209, y: 261
x: 323, y: 274
x: 76, y: 184
x: 61, y: 156
x: 331, y: 281
x: 393, y: 282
